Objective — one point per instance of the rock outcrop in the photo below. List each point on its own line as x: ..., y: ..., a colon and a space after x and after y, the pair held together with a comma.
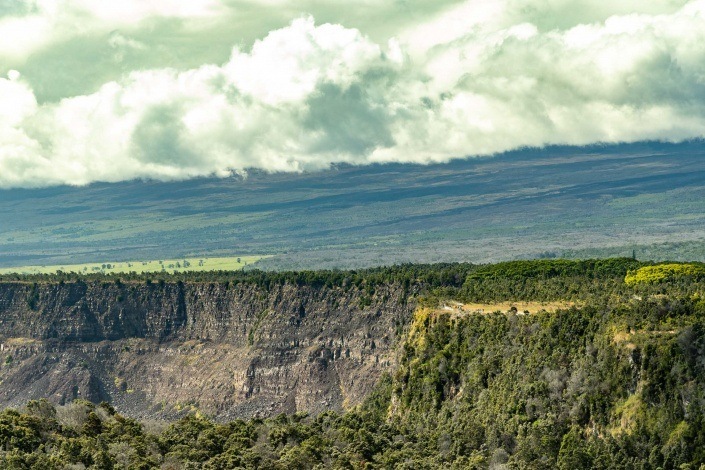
x: 163, y: 349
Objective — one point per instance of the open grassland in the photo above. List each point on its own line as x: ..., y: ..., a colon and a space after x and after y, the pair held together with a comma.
x: 168, y: 265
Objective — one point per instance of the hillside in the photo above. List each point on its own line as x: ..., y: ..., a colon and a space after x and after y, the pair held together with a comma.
x: 560, y: 201
x: 609, y: 375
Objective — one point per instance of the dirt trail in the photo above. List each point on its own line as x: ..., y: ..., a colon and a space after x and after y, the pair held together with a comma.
x: 518, y: 307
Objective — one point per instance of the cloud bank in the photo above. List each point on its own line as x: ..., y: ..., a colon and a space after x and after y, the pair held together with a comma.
x: 476, y: 79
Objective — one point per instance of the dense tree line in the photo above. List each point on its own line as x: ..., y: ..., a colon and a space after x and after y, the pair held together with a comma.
x: 431, y: 275
x: 539, y: 279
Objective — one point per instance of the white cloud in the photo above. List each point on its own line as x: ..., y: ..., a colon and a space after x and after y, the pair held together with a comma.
x: 307, y: 96
x: 17, y: 100
x: 20, y: 36
x: 290, y: 63
x: 36, y: 24
x: 120, y: 41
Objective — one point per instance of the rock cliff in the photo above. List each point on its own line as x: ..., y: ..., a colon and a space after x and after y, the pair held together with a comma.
x: 226, y: 350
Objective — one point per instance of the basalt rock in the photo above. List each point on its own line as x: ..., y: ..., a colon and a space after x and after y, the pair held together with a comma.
x: 161, y: 350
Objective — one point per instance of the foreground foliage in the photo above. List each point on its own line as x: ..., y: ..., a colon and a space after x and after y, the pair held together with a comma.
x: 616, y: 383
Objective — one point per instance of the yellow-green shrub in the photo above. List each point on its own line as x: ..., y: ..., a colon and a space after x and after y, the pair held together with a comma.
x: 663, y: 272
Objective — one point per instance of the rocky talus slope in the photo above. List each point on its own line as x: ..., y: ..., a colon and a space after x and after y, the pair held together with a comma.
x: 227, y: 350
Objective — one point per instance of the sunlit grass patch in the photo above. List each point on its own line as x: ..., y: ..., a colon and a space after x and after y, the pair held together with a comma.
x: 231, y: 263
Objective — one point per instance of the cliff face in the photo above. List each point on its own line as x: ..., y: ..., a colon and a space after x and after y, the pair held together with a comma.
x: 225, y: 350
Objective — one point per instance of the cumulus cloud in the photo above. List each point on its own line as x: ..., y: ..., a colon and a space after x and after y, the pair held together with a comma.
x: 497, y: 76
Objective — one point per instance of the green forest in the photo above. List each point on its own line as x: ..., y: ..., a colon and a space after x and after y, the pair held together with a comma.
x: 617, y: 381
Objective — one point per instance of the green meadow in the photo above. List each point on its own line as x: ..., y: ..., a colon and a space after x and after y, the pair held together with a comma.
x: 169, y: 265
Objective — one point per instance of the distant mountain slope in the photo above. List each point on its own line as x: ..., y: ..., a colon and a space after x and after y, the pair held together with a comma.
x: 529, y: 203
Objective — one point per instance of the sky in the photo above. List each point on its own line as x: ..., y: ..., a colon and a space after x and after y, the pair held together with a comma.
x: 98, y: 91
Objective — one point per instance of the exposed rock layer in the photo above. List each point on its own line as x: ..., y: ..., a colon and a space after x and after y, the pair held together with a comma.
x: 158, y: 350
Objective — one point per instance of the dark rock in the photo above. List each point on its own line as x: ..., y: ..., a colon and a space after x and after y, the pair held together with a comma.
x: 226, y: 350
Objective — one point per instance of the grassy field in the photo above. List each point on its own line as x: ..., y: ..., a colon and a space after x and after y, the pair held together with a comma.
x: 168, y: 265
